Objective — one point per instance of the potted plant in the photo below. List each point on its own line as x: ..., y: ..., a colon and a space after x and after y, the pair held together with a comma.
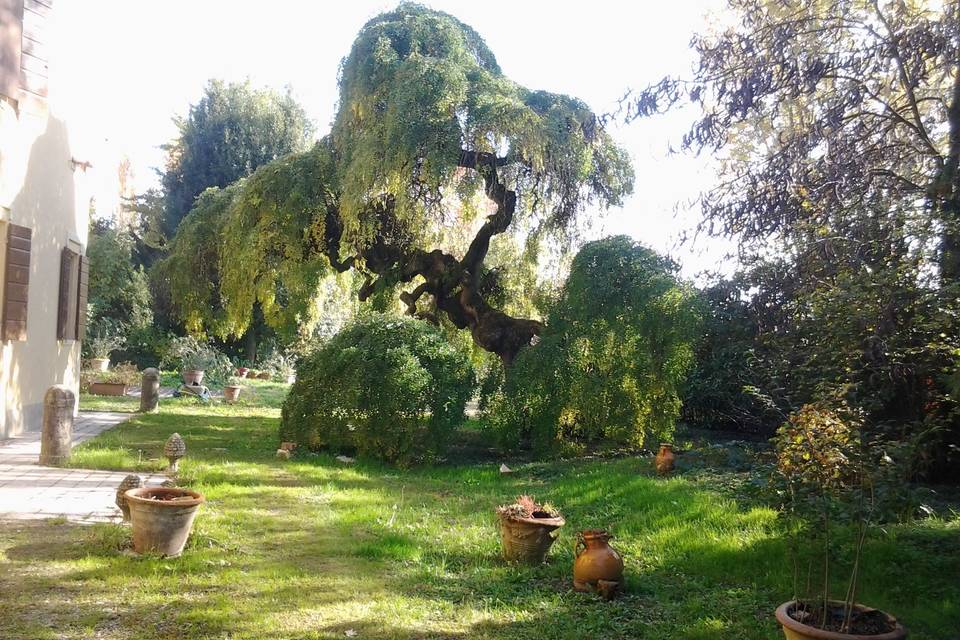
x: 162, y: 518
x: 194, y: 358
x: 528, y: 529
x: 114, y: 382
x: 231, y: 392
x: 99, y: 345
x: 829, y: 476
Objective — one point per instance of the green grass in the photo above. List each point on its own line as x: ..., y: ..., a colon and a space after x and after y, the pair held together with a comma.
x: 313, y: 548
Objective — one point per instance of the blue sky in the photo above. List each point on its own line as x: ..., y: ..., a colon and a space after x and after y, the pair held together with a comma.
x: 142, y: 61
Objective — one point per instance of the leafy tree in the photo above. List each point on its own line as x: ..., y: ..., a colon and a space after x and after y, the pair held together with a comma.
x: 118, y: 291
x: 427, y: 126
x: 227, y: 134
x: 610, y: 364
x: 387, y: 387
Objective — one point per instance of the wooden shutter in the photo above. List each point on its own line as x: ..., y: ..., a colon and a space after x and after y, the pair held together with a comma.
x: 16, y: 283
x: 82, y: 284
x: 67, y: 304
x: 11, y: 30
x: 33, y: 54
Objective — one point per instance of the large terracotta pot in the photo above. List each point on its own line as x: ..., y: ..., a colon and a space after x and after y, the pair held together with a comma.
x: 99, y: 364
x: 794, y: 630
x: 231, y: 392
x: 665, y: 458
x: 597, y: 566
x: 528, y: 539
x: 162, y: 518
x: 192, y: 376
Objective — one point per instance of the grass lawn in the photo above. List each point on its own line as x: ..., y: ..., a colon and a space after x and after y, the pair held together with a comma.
x: 314, y: 548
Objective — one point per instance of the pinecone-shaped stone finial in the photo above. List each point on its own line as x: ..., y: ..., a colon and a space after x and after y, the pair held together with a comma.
x: 130, y: 482
x: 174, y: 449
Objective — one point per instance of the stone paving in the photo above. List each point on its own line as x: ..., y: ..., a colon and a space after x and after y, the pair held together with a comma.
x: 29, y: 491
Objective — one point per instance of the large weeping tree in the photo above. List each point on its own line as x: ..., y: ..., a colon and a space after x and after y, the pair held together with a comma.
x: 429, y: 135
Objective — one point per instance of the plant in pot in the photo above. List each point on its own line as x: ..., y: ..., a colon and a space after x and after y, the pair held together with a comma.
x: 528, y: 529
x: 829, y: 476
x: 114, y: 382
x: 99, y: 346
x: 194, y: 358
x: 231, y: 391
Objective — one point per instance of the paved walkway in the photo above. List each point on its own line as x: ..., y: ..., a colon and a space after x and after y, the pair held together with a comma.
x: 29, y: 491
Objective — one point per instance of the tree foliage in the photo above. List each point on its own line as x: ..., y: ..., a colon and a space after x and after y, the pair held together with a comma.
x: 391, y: 388
x: 227, y: 134
x: 609, y: 367
x: 429, y: 134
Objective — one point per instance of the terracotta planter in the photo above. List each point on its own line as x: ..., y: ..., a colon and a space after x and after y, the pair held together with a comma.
x: 263, y: 375
x: 794, y: 630
x: 108, y: 389
x: 665, y: 458
x: 162, y: 518
x: 597, y: 566
x: 242, y: 372
x: 231, y: 393
x: 99, y: 364
x: 528, y: 539
x: 192, y: 376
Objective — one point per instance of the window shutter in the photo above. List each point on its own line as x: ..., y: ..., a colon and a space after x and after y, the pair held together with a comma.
x: 16, y: 283
x: 11, y: 32
x: 67, y: 321
x: 82, y: 297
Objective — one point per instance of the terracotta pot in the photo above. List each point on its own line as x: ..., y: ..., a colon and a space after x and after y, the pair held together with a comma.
x: 528, y: 539
x: 108, y: 389
x: 794, y: 630
x: 242, y: 372
x: 162, y: 525
x: 596, y: 562
x: 99, y: 364
x: 665, y: 458
x: 263, y: 375
x: 192, y: 376
x: 231, y: 393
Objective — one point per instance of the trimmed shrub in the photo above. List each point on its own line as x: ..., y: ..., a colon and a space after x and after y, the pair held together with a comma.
x: 610, y: 363
x: 386, y: 387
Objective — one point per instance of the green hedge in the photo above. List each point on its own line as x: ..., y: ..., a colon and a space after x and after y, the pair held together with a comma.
x: 385, y: 387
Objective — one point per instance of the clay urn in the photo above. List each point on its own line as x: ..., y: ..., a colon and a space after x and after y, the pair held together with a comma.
x: 597, y: 566
x: 665, y: 458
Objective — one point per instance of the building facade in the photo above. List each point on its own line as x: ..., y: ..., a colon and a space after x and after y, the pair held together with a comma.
x: 44, y: 202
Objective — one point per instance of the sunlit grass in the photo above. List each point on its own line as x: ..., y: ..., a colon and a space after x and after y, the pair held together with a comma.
x: 314, y: 548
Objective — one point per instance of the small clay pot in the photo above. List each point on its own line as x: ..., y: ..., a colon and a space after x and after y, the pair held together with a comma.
x: 263, y: 375
x: 795, y: 630
x: 597, y: 566
x: 231, y: 393
x: 665, y: 458
x: 192, y: 376
x: 162, y: 518
x: 242, y: 372
x: 528, y: 540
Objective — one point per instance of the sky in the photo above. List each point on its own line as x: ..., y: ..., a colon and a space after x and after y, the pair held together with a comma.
x: 135, y: 64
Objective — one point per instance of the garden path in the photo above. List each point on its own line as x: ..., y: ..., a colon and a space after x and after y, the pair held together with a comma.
x: 30, y: 491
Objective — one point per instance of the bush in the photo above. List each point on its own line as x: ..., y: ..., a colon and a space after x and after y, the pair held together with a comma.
x: 608, y: 368
x: 385, y: 387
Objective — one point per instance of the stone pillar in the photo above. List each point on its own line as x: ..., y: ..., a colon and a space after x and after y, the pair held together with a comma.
x: 57, y: 434
x: 149, y: 390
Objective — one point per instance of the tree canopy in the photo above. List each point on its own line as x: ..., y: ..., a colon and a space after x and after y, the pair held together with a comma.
x: 429, y: 135
x: 233, y: 129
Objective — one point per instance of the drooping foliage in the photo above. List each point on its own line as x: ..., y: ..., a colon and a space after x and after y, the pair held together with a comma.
x: 427, y: 128
x: 836, y: 125
x: 387, y: 387
x: 233, y: 129
x: 609, y: 367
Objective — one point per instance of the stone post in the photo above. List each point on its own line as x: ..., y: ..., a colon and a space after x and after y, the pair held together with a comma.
x: 149, y: 390
x: 57, y: 434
